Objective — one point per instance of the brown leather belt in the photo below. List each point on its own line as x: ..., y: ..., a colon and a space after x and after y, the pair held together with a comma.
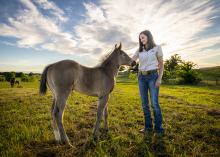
x: 147, y: 72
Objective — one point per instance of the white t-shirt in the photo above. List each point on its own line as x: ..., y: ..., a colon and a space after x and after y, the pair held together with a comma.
x: 148, y: 59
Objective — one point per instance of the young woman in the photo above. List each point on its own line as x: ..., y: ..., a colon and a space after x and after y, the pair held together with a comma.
x: 150, y: 58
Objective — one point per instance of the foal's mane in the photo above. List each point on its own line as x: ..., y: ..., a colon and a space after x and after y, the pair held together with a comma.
x: 106, y: 58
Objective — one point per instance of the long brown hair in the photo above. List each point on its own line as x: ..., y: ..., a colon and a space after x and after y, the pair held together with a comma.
x: 150, y: 41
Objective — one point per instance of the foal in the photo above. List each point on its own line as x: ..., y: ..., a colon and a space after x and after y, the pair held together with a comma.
x: 64, y: 76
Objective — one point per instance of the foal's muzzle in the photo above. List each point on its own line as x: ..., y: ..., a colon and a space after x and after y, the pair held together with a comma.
x: 133, y: 63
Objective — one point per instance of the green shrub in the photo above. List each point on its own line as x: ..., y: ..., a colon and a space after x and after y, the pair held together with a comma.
x: 166, y: 75
x: 189, y: 77
x: 2, y: 79
x: 9, y: 76
x: 27, y: 78
x: 133, y: 76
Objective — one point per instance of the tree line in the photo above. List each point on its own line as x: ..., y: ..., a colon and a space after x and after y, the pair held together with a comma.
x: 8, y: 76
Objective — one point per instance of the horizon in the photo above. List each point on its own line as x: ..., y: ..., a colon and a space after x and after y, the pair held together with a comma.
x: 37, y: 72
x: 36, y: 33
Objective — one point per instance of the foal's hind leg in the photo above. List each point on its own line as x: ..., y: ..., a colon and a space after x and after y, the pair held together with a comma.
x: 54, y: 123
x: 101, y: 105
x: 106, y: 117
x: 58, y: 115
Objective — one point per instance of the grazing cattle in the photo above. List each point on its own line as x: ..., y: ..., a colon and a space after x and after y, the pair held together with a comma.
x: 12, y: 82
x: 17, y: 82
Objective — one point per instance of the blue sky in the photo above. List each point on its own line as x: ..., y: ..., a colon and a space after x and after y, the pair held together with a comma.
x: 34, y: 33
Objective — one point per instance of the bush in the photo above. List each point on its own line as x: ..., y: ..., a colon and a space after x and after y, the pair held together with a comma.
x: 133, y: 76
x: 9, y: 76
x: 166, y: 75
x: 20, y: 74
x: 189, y: 77
x: 172, y: 81
x: 2, y: 79
x: 187, y: 74
x: 27, y: 78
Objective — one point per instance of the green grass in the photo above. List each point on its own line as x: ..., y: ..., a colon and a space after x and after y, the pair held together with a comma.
x: 191, y: 120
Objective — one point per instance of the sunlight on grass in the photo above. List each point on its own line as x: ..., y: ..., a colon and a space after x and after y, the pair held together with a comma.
x: 191, y: 120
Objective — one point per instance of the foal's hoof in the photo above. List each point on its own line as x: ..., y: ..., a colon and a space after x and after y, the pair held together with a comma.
x: 106, y: 129
x: 95, y: 138
x: 67, y: 143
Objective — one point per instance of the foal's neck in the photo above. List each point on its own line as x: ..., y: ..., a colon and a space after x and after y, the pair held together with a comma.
x: 112, y: 69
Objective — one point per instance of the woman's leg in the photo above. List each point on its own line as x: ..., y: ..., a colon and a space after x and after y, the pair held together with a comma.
x: 143, y: 89
x: 154, y: 93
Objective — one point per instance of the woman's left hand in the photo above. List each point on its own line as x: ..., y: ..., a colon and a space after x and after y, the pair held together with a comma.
x: 157, y: 83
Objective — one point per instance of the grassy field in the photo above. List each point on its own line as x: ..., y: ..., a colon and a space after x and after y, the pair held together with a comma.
x: 191, y: 121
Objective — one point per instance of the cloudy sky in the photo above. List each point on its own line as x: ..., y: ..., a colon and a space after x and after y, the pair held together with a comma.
x: 34, y: 33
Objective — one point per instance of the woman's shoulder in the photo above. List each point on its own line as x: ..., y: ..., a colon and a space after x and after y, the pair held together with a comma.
x: 157, y: 47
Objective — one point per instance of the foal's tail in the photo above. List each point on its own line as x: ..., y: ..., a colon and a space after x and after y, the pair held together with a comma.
x: 43, y: 81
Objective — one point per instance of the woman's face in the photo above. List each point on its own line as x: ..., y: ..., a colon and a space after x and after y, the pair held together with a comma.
x: 143, y: 39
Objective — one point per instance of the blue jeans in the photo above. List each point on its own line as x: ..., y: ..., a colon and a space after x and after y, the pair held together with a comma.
x: 147, y: 83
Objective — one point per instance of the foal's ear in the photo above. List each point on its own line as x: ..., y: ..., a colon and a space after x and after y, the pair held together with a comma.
x: 118, y: 47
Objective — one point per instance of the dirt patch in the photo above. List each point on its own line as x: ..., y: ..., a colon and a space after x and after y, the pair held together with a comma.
x: 214, y: 113
x: 182, y: 101
x: 41, y: 149
x: 168, y: 96
x: 198, y: 106
x: 46, y: 153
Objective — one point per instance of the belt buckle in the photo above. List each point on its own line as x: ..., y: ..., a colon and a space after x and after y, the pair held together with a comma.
x: 148, y: 72
x: 143, y: 72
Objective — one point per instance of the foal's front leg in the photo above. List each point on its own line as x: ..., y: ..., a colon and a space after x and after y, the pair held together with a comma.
x: 101, y: 105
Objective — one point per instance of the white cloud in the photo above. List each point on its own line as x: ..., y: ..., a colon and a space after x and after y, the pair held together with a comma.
x: 175, y: 24
x: 197, y: 46
x: 49, y: 5
x: 32, y: 29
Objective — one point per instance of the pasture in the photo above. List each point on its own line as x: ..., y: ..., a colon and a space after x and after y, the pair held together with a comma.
x: 191, y: 121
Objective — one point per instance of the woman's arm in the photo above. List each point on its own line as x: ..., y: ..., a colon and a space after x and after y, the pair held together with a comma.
x: 161, y: 69
x: 160, y: 66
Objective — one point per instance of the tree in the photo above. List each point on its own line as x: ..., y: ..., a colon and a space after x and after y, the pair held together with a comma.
x: 166, y: 75
x: 187, y: 74
x: 172, y: 64
x: 27, y: 78
x: 31, y: 74
x: 20, y: 74
x: 2, y: 78
x: 9, y: 76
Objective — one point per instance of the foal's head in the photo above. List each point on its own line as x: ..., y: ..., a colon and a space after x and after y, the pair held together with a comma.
x: 122, y: 57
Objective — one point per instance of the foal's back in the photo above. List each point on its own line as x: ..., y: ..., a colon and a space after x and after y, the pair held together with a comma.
x: 68, y: 75
x: 62, y: 72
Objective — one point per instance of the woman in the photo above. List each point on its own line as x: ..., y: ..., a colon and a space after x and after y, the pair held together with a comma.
x: 150, y: 58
